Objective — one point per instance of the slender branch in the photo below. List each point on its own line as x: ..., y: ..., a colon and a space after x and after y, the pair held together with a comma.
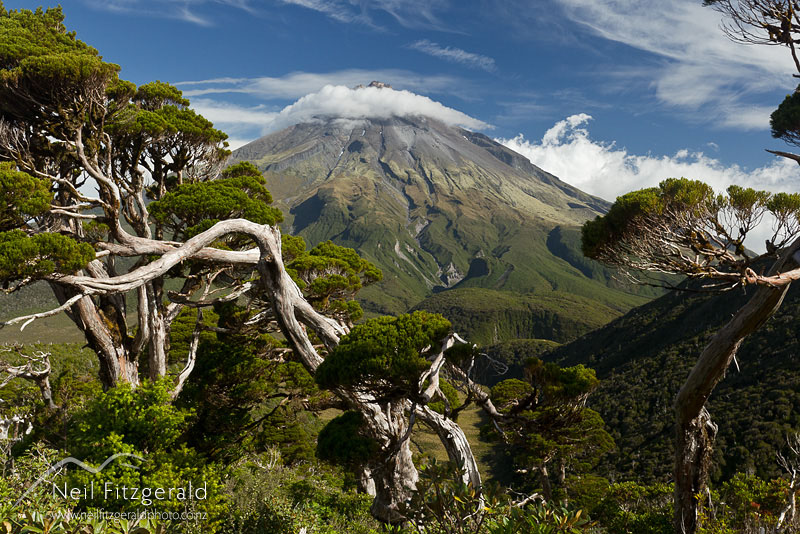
x: 30, y: 318
x: 190, y: 362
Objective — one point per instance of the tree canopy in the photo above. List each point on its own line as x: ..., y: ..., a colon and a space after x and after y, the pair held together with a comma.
x: 683, y: 227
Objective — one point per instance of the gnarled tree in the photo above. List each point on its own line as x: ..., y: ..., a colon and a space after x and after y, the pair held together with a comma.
x: 109, y: 189
x: 682, y: 227
x: 548, y: 428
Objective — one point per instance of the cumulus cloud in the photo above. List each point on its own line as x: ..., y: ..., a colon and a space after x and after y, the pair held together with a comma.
x: 606, y: 170
x: 700, y: 70
x: 455, y: 55
x: 368, y: 102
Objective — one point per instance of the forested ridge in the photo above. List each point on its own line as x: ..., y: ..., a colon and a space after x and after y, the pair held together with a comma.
x: 642, y: 358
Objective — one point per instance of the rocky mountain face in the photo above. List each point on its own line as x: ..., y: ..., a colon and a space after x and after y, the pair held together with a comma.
x: 435, y: 206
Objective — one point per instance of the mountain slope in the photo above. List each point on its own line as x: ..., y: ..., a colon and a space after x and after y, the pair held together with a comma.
x: 643, y: 357
x: 435, y: 206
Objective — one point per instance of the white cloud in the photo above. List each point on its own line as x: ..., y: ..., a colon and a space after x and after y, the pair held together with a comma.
x: 296, y: 84
x: 244, y: 124
x: 408, y: 13
x: 186, y: 10
x: 455, y: 55
x: 368, y: 102
x: 335, y: 10
x: 701, y: 71
x: 226, y: 113
x: 606, y: 170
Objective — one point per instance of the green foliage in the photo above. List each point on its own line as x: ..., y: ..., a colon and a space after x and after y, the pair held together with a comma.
x: 451, y: 394
x: 548, y: 423
x: 630, y: 508
x: 563, y: 384
x: 46, y: 69
x: 785, y: 207
x: 194, y: 207
x: 157, y: 95
x: 543, y: 518
x: 238, y: 170
x: 24, y: 197
x: 343, y: 441
x: 672, y: 195
x: 643, y: 358
x: 143, y: 416
x: 597, y: 232
x: 270, y: 498
x: 513, y: 353
x: 746, y: 503
x: 510, y: 391
x: 785, y: 121
x: 330, y: 276
x: 384, y: 354
x: 40, y: 255
x: 486, y: 316
x: 43, y: 511
x: 745, y: 200
x: 443, y: 504
x: 243, y: 401
x: 143, y: 422
x: 291, y: 247
x: 703, y: 234
x: 158, y: 120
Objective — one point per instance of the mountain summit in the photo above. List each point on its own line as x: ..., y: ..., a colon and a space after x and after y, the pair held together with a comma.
x: 374, y: 83
x: 436, y: 206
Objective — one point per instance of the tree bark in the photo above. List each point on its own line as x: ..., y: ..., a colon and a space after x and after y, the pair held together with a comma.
x: 394, y: 475
x: 544, y: 478
x: 455, y: 443
x: 116, y: 365
x: 158, y: 345
x: 695, y: 440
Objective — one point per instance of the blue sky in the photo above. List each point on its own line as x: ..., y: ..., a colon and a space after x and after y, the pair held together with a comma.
x: 610, y: 95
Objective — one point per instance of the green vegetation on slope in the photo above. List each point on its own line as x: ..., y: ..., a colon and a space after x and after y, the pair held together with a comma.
x: 643, y: 358
x: 486, y: 316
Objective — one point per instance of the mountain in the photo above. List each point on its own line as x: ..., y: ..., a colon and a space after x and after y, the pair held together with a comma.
x: 643, y: 358
x: 436, y: 207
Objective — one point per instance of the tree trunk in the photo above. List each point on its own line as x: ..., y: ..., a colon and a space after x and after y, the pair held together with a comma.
x: 694, y: 440
x: 116, y: 365
x: 103, y: 335
x: 366, y: 484
x: 158, y: 346
x: 455, y: 443
x: 694, y: 430
x: 544, y: 477
x: 394, y: 475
